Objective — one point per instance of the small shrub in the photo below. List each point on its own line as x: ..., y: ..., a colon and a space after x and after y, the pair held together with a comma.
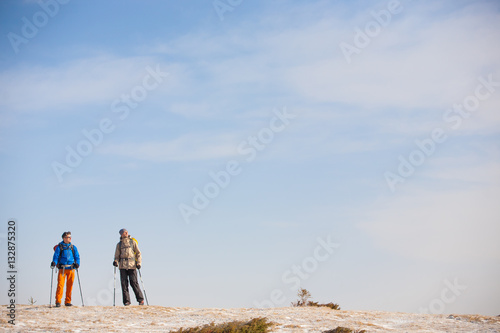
x: 330, y: 305
x: 255, y: 325
x: 31, y: 301
x: 341, y: 329
x: 304, y: 295
x: 303, y: 300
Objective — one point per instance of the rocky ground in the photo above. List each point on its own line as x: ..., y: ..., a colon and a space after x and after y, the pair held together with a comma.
x: 290, y: 319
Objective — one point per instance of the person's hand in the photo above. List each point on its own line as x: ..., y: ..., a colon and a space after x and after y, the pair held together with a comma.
x: 59, y: 266
x: 138, y: 266
x: 52, y: 264
x: 75, y: 265
x: 115, y: 263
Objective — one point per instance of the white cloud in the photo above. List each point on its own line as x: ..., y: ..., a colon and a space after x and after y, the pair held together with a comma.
x: 188, y: 147
x: 77, y: 182
x: 473, y: 170
x: 454, y: 218
x: 411, y: 68
x: 431, y: 71
x: 192, y: 110
x: 63, y: 87
x: 415, y: 63
x: 442, y: 227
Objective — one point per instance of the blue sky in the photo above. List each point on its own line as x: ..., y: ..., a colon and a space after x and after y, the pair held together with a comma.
x: 371, y: 126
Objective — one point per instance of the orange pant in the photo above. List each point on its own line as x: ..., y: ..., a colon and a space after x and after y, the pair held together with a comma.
x: 70, y: 275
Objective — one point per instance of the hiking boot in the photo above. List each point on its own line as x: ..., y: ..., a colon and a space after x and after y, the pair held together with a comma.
x: 58, y: 305
x: 141, y: 303
x: 68, y: 304
x: 127, y: 304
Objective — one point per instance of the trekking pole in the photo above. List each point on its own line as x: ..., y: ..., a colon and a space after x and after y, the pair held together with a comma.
x: 81, y: 295
x: 114, y: 288
x: 143, y: 287
x: 51, y: 279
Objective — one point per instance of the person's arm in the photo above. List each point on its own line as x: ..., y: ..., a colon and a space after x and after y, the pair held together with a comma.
x: 77, y: 256
x: 117, y: 254
x: 57, y: 252
x: 138, y: 256
x: 55, y: 257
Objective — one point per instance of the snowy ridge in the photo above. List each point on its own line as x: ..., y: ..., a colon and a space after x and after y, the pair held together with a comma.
x: 289, y: 319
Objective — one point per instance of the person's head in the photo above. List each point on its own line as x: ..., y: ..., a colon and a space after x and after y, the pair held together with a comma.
x: 66, y: 236
x: 123, y: 232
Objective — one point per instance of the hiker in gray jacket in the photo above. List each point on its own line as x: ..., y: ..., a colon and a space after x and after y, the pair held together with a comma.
x: 128, y: 259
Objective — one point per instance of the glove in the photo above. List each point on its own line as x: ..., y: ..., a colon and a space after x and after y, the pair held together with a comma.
x: 75, y: 265
x: 59, y: 266
x: 138, y: 266
x: 52, y: 264
x: 115, y: 263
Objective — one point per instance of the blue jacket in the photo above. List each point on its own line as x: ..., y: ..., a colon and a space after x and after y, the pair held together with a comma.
x: 65, y: 256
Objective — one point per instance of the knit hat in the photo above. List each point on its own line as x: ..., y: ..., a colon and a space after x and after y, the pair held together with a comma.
x: 122, y: 231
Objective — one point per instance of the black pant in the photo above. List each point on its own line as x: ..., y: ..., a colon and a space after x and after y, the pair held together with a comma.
x: 125, y: 275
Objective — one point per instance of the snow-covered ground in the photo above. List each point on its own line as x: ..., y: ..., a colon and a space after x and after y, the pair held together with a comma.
x: 32, y: 318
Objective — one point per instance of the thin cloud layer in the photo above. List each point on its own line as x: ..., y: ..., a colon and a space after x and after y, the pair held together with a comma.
x: 390, y: 144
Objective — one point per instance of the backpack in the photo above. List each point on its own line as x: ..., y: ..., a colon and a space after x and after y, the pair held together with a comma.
x: 59, y: 245
x: 132, y: 239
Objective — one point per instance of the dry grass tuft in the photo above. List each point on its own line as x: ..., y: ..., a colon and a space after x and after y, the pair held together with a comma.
x: 341, y: 329
x: 256, y: 325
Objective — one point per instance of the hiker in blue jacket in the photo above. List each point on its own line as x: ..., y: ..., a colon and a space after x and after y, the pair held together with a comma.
x: 67, y: 259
